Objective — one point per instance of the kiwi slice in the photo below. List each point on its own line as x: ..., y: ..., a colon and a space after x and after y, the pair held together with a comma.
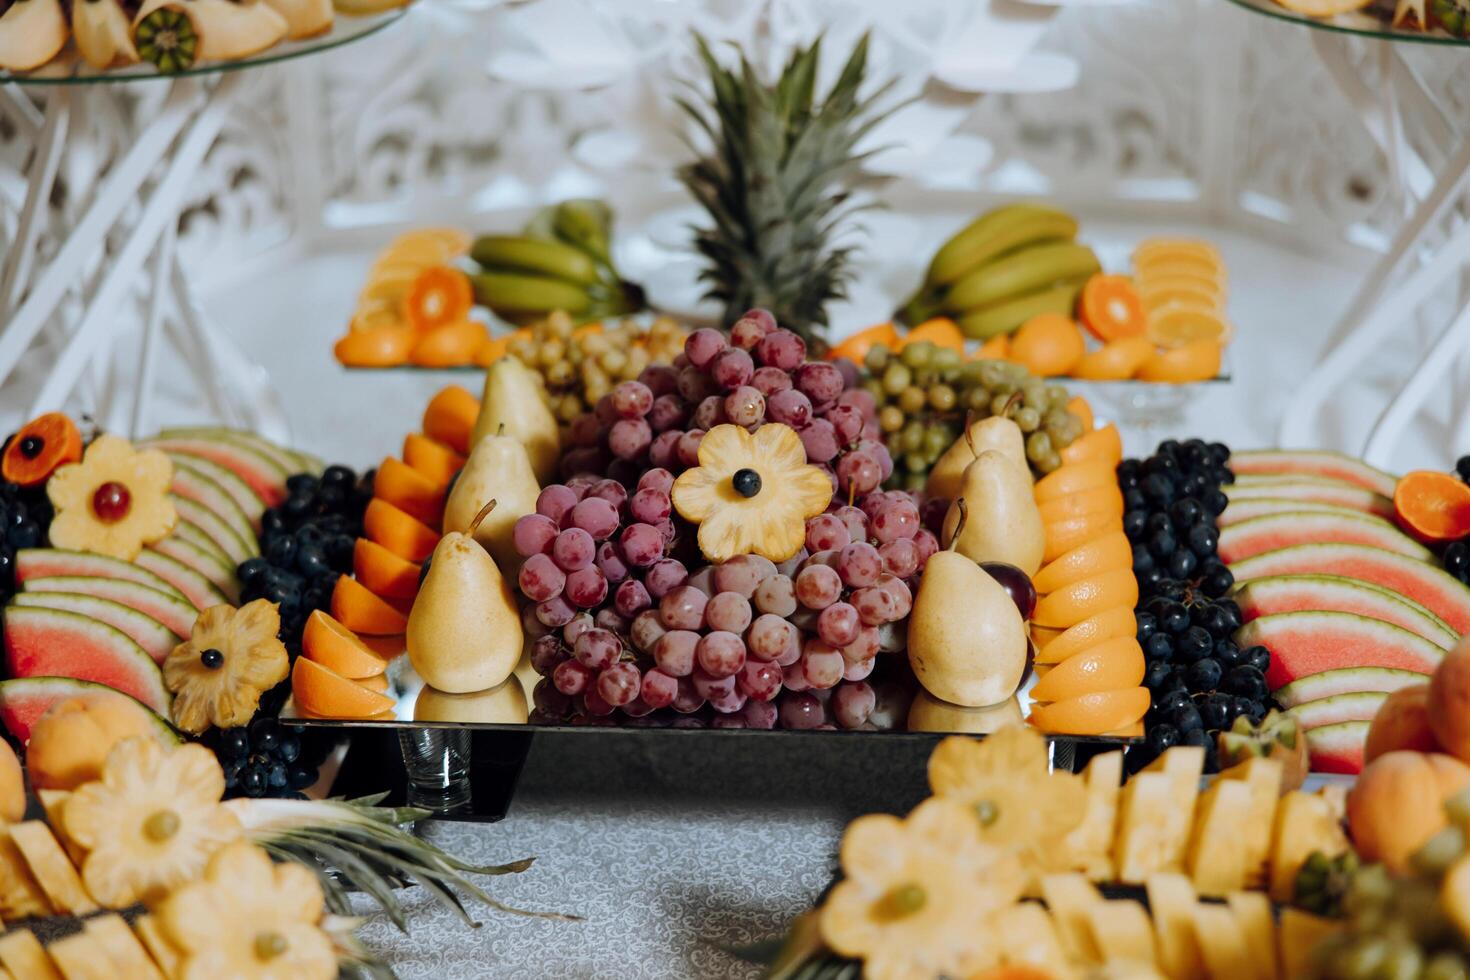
x: 167, y: 39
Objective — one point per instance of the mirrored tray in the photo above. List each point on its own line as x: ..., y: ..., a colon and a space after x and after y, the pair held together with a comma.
x: 68, y: 68
x: 1359, y: 23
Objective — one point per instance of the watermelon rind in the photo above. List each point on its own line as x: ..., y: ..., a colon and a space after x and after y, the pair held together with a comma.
x: 212, y: 478
x: 173, y: 611
x: 186, y: 530
x: 1309, y: 490
x: 45, y: 660
x: 1346, y: 680
x: 217, y: 570
x: 263, y: 474
x: 1383, y: 644
x: 1357, y: 706
x: 1313, y: 462
x: 1249, y: 508
x: 1337, y: 748
x: 233, y: 547
x: 1373, y: 601
x: 195, y: 586
x: 1241, y: 540
x: 1438, y: 590
x: 156, y: 639
x: 24, y: 699
x: 49, y: 562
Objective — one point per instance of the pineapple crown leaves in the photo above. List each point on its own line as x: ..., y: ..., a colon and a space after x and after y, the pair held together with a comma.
x: 772, y: 182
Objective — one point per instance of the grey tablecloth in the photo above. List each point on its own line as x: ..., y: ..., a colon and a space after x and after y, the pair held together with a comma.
x: 670, y: 847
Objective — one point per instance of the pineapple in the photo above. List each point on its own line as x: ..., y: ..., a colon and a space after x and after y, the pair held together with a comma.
x: 776, y: 184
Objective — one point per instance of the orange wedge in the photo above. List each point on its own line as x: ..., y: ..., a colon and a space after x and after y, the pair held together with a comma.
x: 1197, y: 361
x: 855, y: 348
x: 1134, y: 730
x: 333, y: 645
x: 1074, y: 532
x: 325, y: 692
x: 1092, y: 714
x: 997, y: 348
x: 940, y: 331
x: 383, y: 572
x: 1072, y: 478
x: 409, y: 490
x: 450, y: 345
x: 1118, y: 663
x: 1117, y: 360
x: 1175, y: 326
x: 362, y: 612
x: 1103, y: 445
x: 1078, y: 406
x: 1055, y: 645
x: 1073, y: 603
x: 431, y: 458
x: 450, y: 417
x: 375, y: 346
x: 1096, y: 556
x: 1106, y: 499
x: 389, y: 647
x: 1186, y: 297
x: 1154, y: 249
x: 406, y: 536
x: 378, y: 683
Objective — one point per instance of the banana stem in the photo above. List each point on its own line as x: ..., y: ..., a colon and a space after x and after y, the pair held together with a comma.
x: 920, y: 307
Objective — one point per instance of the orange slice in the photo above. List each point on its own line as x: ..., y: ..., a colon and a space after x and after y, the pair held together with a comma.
x: 1104, y: 554
x: 450, y: 345
x: 1161, y: 265
x: 1434, y: 506
x: 1092, y: 714
x: 1074, y: 532
x: 324, y: 691
x: 1183, y: 298
x: 1054, y: 646
x: 454, y: 241
x: 1115, y: 361
x: 1108, y: 666
x: 450, y: 417
x: 1071, y: 478
x: 1107, y: 499
x: 335, y: 646
x: 404, y: 535
x: 431, y: 458
x: 1175, y: 326
x: 1110, y: 307
x: 1079, y: 407
x: 1151, y: 249
x: 1103, y: 445
x: 383, y: 572
x: 409, y: 490
x: 1073, y: 603
x: 1150, y: 286
x: 362, y: 612
x: 388, y: 647
x: 1197, y: 361
x: 379, y: 346
x: 377, y: 683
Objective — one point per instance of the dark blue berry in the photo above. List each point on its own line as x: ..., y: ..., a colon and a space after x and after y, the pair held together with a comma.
x: 1162, y: 544
x: 1156, y: 674
x: 253, y: 782
x: 1171, y: 700
x: 300, y: 777
x: 1159, y: 646
x: 1158, y: 488
x: 1175, y: 618
x: 1194, y: 644
x: 1181, y: 563
x: 1228, y: 654
x: 1185, y: 718
x: 1214, y: 712
x: 1245, y: 681
x: 281, y: 551
x: 300, y: 484
x: 1215, y: 501
x: 1217, y: 583
x: 1203, y: 675
x: 277, y: 776
x: 289, y: 749
x: 1142, y: 560
x: 1133, y: 499
x: 1161, y: 738
x: 1258, y: 657
x: 1186, y: 512
x: 1146, y: 625
x: 265, y: 734
x: 1203, y: 539
x: 1133, y: 524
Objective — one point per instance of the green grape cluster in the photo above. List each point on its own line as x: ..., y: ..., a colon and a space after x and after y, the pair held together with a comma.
x: 925, y: 392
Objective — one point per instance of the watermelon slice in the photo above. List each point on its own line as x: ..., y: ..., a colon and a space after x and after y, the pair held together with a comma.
x: 1333, y: 593
x: 192, y: 533
x: 1357, y: 706
x: 205, y: 480
x: 1274, y: 531
x: 1305, y: 643
x: 171, y: 610
x: 1337, y: 748
x: 1349, y: 680
x: 218, y: 571
x: 1432, y: 587
x: 195, y: 586
x: 154, y: 637
x: 1309, y: 489
x: 288, y: 459
x: 1313, y: 462
x: 54, y: 643
x: 25, y: 699
x: 33, y: 563
x: 264, y: 476
x: 221, y: 534
x: 1248, y: 508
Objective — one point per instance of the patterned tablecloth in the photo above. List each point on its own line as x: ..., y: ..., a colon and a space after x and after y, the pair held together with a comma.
x: 670, y: 845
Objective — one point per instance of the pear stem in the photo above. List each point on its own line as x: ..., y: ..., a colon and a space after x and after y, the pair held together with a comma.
x: 500, y: 429
x: 960, y: 524
x: 484, y: 513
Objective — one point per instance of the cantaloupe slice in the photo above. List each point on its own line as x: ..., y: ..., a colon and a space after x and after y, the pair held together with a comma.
x: 1253, y: 835
x: 1304, y: 823
x: 80, y: 957
x: 52, y: 868
x: 1297, y: 936
x: 1222, y: 943
x: 1121, y: 930
x: 1216, y: 862
x: 1172, y: 899
x: 22, y: 954
x: 1090, y: 844
x: 1252, y: 911
x: 1069, y: 896
x: 128, y: 957
x: 1149, y: 839
x: 163, y: 952
x: 1029, y: 937
x: 53, y: 802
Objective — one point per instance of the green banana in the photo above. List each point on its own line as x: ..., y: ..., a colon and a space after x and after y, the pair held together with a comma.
x: 552, y: 258
x: 1020, y: 273
x: 522, y: 293
x: 587, y: 224
x: 1008, y: 316
x: 995, y: 233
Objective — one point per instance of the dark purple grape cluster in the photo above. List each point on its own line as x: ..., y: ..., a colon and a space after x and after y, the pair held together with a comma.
x: 25, y: 517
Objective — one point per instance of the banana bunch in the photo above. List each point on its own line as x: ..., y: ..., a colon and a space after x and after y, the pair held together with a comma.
x: 1002, y: 269
x: 562, y: 261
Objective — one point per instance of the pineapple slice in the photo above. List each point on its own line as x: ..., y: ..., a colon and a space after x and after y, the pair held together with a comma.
x: 1069, y: 896
x: 22, y: 955
x: 1253, y: 913
x: 162, y: 951
x: 122, y: 947
x: 21, y: 896
x: 1253, y: 835
x: 1090, y: 843
x: 1146, y: 828
x: 1304, y: 823
x: 1216, y: 860
x: 51, y: 867
x: 1121, y: 930
x: 1222, y: 942
x: 1172, y: 899
x: 54, y: 801
x: 80, y: 957
x: 1297, y: 936
x: 1184, y: 765
x: 1028, y: 936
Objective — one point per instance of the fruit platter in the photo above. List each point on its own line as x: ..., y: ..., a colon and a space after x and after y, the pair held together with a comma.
x: 1430, y: 21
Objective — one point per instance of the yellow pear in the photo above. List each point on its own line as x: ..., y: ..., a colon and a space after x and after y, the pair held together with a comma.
x: 994, y: 432
x: 513, y: 399
x: 498, y: 469
x: 929, y: 714
x: 1004, y: 523
x: 464, y: 632
x: 967, y: 641
x: 503, y: 704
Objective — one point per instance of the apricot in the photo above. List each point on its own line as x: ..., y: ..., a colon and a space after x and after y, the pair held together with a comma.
x: 450, y: 418
x: 70, y: 742
x: 1402, y: 722
x: 384, y: 346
